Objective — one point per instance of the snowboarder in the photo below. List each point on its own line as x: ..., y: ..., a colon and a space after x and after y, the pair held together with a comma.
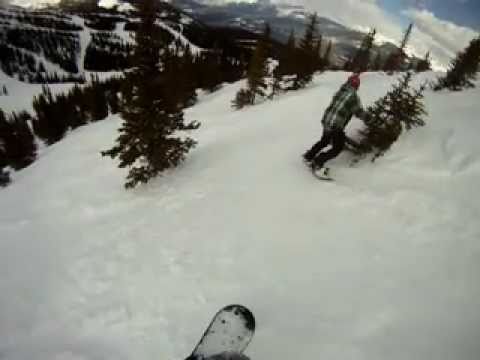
x: 344, y: 105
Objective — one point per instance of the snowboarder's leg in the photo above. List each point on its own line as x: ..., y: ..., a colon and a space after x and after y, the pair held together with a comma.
x: 338, y: 144
x: 319, y: 146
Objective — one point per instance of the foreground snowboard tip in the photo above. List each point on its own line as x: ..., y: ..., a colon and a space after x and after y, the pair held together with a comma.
x: 242, y: 311
x: 222, y: 356
x: 227, y: 335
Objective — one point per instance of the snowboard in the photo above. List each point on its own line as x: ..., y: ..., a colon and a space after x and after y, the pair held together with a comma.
x: 227, y: 336
x: 322, y: 174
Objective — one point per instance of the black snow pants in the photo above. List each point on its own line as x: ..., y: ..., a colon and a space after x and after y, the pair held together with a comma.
x: 336, y: 138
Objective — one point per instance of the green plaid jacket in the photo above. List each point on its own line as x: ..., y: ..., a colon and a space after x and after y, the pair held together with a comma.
x: 344, y: 105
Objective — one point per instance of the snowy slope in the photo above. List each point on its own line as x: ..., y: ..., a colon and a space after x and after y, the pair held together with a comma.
x: 382, y: 264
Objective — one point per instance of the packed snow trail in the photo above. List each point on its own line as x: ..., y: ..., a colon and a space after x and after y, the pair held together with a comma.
x: 382, y: 264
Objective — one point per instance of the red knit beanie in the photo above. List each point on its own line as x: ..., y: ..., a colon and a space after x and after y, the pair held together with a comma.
x: 354, y: 80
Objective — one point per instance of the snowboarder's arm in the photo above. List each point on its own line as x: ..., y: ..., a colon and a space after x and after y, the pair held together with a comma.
x: 358, y: 110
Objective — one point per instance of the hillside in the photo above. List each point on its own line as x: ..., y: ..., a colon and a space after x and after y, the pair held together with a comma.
x: 381, y: 264
x: 283, y: 18
x: 69, y: 44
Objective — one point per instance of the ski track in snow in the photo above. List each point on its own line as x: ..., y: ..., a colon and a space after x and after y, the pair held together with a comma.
x: 178, y: 35
x: 381, y: 264
x: 85, y: 38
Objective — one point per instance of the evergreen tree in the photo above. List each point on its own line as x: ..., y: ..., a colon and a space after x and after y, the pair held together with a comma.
x: 114, y: 87
x: 97, y: 98
x: 49, y: 122
x: 256, y: 74
x: 377, y: 62
x: 393, y: 61
x: 187, y: 71
x: 306, y: 63
x: 18, y: 142
x: 258, y: 67
x: 4, y: 175
x: 396, y: 59
x: 406, y: 37
x: 41, y: 67
x: 402, y: 108
x: 463, y: 69
x: 243, y: 98
x: 290, y: 56
x: 209, y: 71
x: 173, y: 64
x: 287, y: 59
x: 361, y: 61
x: 78, y: 106
x: 267, y: 40
x: 277, y: 83
x: 318, y: 53
x: 149, y: 142
x: 327, y: 56
x: 425, y: 64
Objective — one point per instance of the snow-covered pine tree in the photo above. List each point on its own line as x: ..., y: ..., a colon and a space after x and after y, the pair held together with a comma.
x: 377, y: 63
x: 306, y: 62
x: 97, y: 99
x: 286, y: 64
x: 318, y: 53
x: 188, y: 76
x: 327, y: 56
x: 17, y: 138
x: 289, y: 56
x: 406, y: 37
x: 177, y: 63
x: 425, y: 64
x: 258, y: 68
x: 148, y: 142
x: 276, y: 83
x: 242, y: 98
x: 208, y: 70
x: 402, y: 108
x: 267, y: 39
x: 463, y: 69
x: 4, y: 174
x: 361, y: 61
x: 49, y: 122
x: 396, y: 60
x: 256, y: 74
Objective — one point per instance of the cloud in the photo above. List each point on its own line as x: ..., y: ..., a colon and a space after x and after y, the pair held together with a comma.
x: 443, y: 38
x: 363, y: 13
x: 356, y: 14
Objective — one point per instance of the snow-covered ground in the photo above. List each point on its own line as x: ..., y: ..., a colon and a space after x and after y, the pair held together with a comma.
x: 20, y: 94
x: 381, y: 264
